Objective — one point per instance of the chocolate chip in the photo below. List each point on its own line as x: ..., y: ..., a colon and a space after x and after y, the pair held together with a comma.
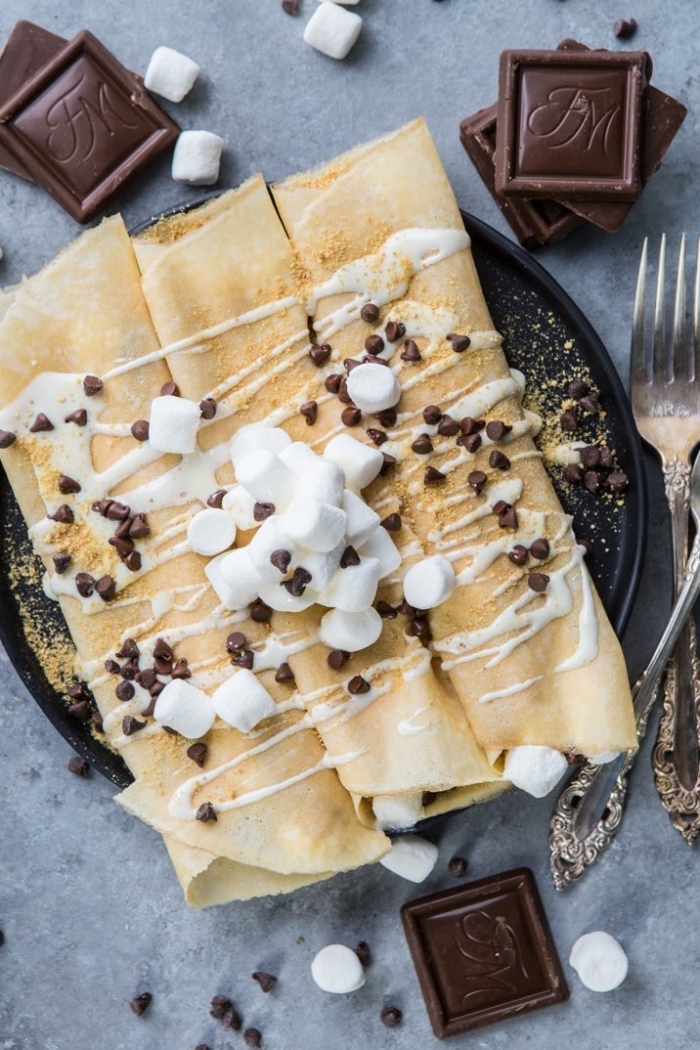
x: 569, y: 420
x: 122, y: 529
x: 375, y: 361
x: 377, y: 436
x: 477, y: 479
x: 410, y: 352
x: 263, y: 511
x: 540, y: 549
x: 386, y: 611
x: 133, y: 561
x: 319, y: 354
x: 374, y: 344
x: 432, y: 415
x: 125, y: 691
x: 129, y: 648
x: 216, y: 499
x: 112, y: 666
x: 244, y: 658
x: 508, y: 519
x: 253, y: 1037
x: 587, y: 546
x: 469, y: 425
x: 591, y: 401
x: 448, y: 426
x: 407, y: 610
x: 170, y: 390
x: 358, y: 684
x: 537, y: 581
x: 297, y: 585
x: 617, y: 481
x: 394, y: 331
x: 84, y: 584
x: 140, y: 429
x: 266, y: 981
x: 181, y: 669
x: 161, y: 650
x: 219, y: 1005
x: 147, y: 677
x: 309, y: 411
x: 422, y: 445
x: 472, y: 442
x: 457, y: 867
x: 139, y: 527
x: 433, y: 476
x: 78, y: 691
x: 7, y: 438
x: 284, y: 673
x: 117, y: 511
x: 392, y: 522
x: 498, y: 461
x: 97, y: 721
x: 420, y: 628
x: 290, y: 7
x: 388, y: 463
x: 578, y: 389
x: 101, y: 506
x: 518, y: 554
x: 349, y: 557
x: 78, y: 765
x: 624, y: 28
x: 369, y: 313
x: 592, y: 480
x: 92, y: 385
x: 235, y: 641
x: 590, y: 456
x: 61, y: 562
x: 140, y: 1004
x: 387, y: 417
x: 207, y: 408
x: 260, y: 612
x: 350, y: 363
x: 351, y: 416
x: 337, y: 658
x: 156, y: 689
x: 122, y: 546
x: 573, y: 473
x: 81, y: 711
x: 460, y: 343
x: 496, y: 429
x: 131, y: 725
x: 149, y: 711
x: 332, y: 383
x: 343, y: 392
x: 500, y: 507
x: 198, y: 753
x: 281, y: 560
x: 391, y: 1016
x: 231, y: 1018
x: 79, y: 417
x: 130, y: 669
x: 163, y: 665
x: 63, y: 515
x: 41, y: 423
x: 363, y: 952
x: 205, y: 813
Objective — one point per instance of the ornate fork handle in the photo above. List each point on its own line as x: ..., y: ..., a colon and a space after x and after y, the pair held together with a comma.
x: 589, y: 809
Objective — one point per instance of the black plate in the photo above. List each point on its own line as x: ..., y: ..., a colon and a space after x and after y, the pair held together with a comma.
x: 545, y: 335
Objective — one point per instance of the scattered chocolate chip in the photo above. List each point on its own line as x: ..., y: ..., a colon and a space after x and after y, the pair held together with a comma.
x: 432, y: 415
x: 122, y: 546
x: 497, y: 460
x: 281, y: 560
x: 231, y: 1018
x: 375, y: 361
x: 125, y: 691
x: 569, y: 420
x: 343, y: 392
x: 92, y: 385
x: 198, y: 753
x: 336, y: 658
x: 236, y: 640
x: 97, y: 721
x: 508, y: 519
x: 518, y: 554
x: 590, y: 456
x: 130, y: 669
x: 350, y: 363
x: 203, y: 1046
x: 377, y: 436
x: 170, y: 390
x: 219, y: 1005
x: 392, y: 522
x: 7, y: 438
x: 460, y: 343
x: 266, y: 981
x: 407, y: 610
x: 163, y: 665
x: 351, y: 416
x: 537, y: 581
x: 61, y: 562
x: 140, y: 429
x: 387, y: 417
x: 388, y: 463
x: 448, y: 426
x: 123, y: 527
x: 290, y: 7
x: 540, y: 549
x: 592, y: 480
x: 617, y: 481
x: 139, y: 527
x: 117, y: 511
x: 573, y: 473
x: 591, y: 402
x: 477, y: 479
x: 81, y: 711
x: 472, y: 442
x: 181, y: 669
x: 78, y: 691
x: 133, y: 561
x: 129, y: 648
x: 146, y: 678
x: 358, y: 684
x: 309, y: 411
x: 578, y: 389
x: 457, y: 867
x: 587, y: 546
x: 112, y: 666
x: 298, y: 583
x: 41, y: 423
x: 422, y: 445
x: 433, y: 476
x: 216, y: 499
x: 162, y: 651
x: 101, y: 506
x: 64, y: 515
x: 140, y: 1003
x: 149, y: 710
x: 78, y: 765
x: 262, y: 511
x: 394, y: 331
x: 319, y: 354
x: 391, y: 1016
x: 469, y: 425
x: 363, y: 953
x: 79, y: 417
x: 420, y: 628
x: 374, y: 344
x: 205, y: 813
x: 131, y: 725
x: 625, y: 28
x: 207, y: 408
x: 284, y: 673
x: 260, y: 612
x: 369, y: 313
x: 349, y: 557
x: 496, y: 429
x: 244, y: 658
x: 428, y: 797
x: 386, y: 611
x: 84, y: 584
x: 332, y: 383
x: 253, y: 1037
x: 410, y: 352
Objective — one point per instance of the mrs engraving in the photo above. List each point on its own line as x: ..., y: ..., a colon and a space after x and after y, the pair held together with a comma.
x: 667, y: 408
x: 573, y: 115
x: 81, y: 117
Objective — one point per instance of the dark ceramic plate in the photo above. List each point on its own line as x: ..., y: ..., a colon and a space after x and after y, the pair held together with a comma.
x: 547, y: 337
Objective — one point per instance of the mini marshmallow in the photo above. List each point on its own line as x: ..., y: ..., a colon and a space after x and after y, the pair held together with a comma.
x: 173, y: 425
x: 381, y: 546
x: 332, y: 30
x: 373, y: 388
x: 362, y: 520
x: 267, y: 539
x: 280, y: 599
x: 323, y: 481
x: 398, y: 812
x: 240, y: 505
x: 361, y: 463
x: 226, y: 594
x: 350, y: 631
x: 243, y: 701
x: 337, y: 969
x: 321, y: 564
x: 534, y: 769
x: 297, y: 456
x: 253, y: 438
x: 196, y: 158
x: 411, y: 857
x: 429, y: 582
x: 600, y: 961
x: 170, y: 74
x: 241, y: 579
x: 353, y: 588
x: 211, y: 531
x: 317, y: 526
x: 264, y: 476
x: 603, y: 757
x: 184, y: 708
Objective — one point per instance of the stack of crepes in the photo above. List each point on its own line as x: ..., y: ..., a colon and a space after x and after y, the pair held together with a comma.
x: 231, y: 302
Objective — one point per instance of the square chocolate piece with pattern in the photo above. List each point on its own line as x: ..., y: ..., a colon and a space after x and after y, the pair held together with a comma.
x: 483, y: 952
x: 82, y: 125
x: 570, y: 124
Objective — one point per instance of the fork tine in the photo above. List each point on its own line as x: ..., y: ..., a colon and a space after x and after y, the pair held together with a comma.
x: 639, y: 367
x: 679, y: 351
x: 662, y: 362
x: 696, y: 311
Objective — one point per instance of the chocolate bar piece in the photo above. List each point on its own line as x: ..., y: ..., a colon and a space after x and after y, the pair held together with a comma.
x: 570, y: 124
x: 82, y: 125
x: 483, y: 952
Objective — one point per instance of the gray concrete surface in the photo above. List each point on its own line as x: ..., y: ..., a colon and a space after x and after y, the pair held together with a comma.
x: 90, y: 910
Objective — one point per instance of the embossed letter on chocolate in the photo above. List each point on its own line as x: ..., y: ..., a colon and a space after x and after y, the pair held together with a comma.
x: 82, y: 125
x: 483, y: 952
x: 570, y: 124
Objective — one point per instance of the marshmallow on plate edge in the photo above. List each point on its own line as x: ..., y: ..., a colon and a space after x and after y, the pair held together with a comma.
x: 373, y: 388
x: 361, y: 463
x: 253, y: 438
x: 534, y: 768
x: 411, y: 857
x: 381, y: 546
x: 336, y: 968
x: 184, y: 708
x: 429, y: 582
x: 211, y: 531
x: 398, y: 812
x: 354, y: 588
x: 238, y: 574
x: 350, y: 631
x: 318, y: 526
x: 241, y: 506
x: 197, y: 157
x: 265, y: 477
x: 332, y: 30
x: 170, y: 74
x: 362, y: 520
x: 600, y: 961
x: 173, y: 424
x: 243, y: 701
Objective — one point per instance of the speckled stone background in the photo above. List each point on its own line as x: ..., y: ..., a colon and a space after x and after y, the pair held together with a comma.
x: 89, y: 906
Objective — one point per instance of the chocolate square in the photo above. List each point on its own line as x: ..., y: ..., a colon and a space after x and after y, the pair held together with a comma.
x: 483, y: 952
x: 82, y: 125
x: 570, y: 124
